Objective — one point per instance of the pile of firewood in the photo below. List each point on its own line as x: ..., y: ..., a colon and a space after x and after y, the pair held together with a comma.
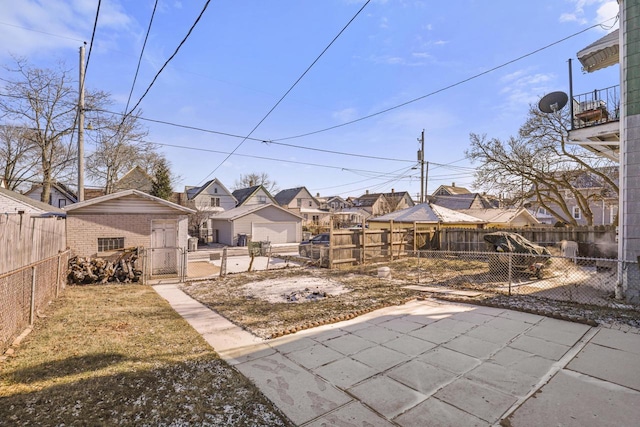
x: 117, y: 268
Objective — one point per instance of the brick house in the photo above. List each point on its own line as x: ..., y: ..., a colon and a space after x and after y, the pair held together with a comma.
x: 130, y: 218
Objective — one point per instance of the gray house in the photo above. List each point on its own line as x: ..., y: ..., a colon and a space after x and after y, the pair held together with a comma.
x: 261, y: 222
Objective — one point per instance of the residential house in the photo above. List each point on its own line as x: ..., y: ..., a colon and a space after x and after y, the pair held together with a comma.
x: 503, y: 217
x: 332, y: 203
x: 426, y: 217
x: 257, y: 222
x: 458, y: 198
x: 603, y: 202
x: 131, y: 218
x: 300, y: 201
x: 207, y: 200
x: 135, y: 179
x: 256, y: 195
x: 59, y: 195
x: 378, y: 204
x: 12, y: 202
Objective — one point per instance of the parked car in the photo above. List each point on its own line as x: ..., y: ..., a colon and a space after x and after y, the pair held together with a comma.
x: 529, y: 258
x: 320, y: 240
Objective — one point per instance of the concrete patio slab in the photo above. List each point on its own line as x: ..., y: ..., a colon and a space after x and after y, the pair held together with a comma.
x: 437, y: 413
x: 440, y: 364
x: 576, y: 400
x: 345, y: 372
x: 387, y: 396
x: 477, y: 399
x: 421, y: 376
x: 609, y: 364
x: 352, y: 414
x: 300, y: 394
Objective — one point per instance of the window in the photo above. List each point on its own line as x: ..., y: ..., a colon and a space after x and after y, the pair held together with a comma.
x: 299, y: 202
x: 215, y: 191
x: 110, y: 243
x: 316, y: 219
x: 62, y: 203
x: 542, y: 211
x: 262, y: 199
x: 215, y: 202
x: 576, y: 213
x: 310, y: 204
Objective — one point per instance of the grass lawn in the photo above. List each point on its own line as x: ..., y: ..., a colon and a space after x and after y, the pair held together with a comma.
x: 120, y: 355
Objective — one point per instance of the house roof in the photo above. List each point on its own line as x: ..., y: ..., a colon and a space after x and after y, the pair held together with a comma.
x: 240, y: 211
x: 243, y: 194
x: 192, y: 192
x: 428, y: 213
x: 135, y: 179
x: 500, y: 215
x: 451, y: 189
x: 285, y: 197
x: 601, y: 53
x: 61, y: 188
x: 41, y: 207
x: 127, y: 193
x: 371, y: 198
x: 460, y: 201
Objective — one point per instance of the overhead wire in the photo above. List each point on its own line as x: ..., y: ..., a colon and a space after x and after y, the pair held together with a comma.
x: 204, y: 8
x: 290, y: 89
x: 451, y: 86
x: 144, y: 44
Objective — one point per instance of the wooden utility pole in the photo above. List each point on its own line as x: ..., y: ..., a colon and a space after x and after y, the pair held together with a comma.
x: 81, y: 128
x: 421, y: 159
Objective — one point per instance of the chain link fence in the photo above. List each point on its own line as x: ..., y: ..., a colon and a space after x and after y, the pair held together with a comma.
x: 593, y: 281
x: 164, y: 262
x: 26, y: 291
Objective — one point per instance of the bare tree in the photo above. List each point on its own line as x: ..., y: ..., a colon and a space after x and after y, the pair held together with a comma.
x: 118, y: 148
x: 540, y: 165
x: 252, y: 179
x: 18, y: 157
x: 42, y: 101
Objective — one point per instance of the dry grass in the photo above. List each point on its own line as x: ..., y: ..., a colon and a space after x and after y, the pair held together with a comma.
x: 120, y: 355
x: 264, y: 319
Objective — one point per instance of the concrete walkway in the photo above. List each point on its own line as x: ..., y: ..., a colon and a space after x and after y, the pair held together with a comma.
x: 429, y: 363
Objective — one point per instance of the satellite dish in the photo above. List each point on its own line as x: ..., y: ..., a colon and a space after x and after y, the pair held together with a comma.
x: 552, y: 102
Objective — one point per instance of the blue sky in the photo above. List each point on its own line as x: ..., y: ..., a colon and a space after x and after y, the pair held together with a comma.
x: 243, y: 56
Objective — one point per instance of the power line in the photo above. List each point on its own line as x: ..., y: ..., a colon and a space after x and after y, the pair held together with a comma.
x: 168, y: 60
x: 451, y: 86
x: 41, y: 32
x: 289, y: 90
x: 146, y: 37
x: 93, y: 34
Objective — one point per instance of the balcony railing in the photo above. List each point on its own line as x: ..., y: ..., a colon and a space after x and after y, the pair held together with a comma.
x: 597, y: 107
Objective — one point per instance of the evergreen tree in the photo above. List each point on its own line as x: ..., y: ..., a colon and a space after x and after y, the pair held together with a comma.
x: 162, y: 181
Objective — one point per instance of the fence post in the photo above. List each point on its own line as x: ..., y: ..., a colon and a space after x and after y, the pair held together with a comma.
x: 58, y: 275
x: 33, y: 295
x: 418, y: 267
x: 510, y: 258
x: 223, y: 263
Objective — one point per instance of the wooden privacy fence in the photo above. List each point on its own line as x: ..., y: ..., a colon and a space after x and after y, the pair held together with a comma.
x: 26, y: 291
x: 26, y: 239
x: 362, y: 246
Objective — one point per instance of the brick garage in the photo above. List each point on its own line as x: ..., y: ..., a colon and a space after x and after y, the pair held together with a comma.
x: 101, y: 226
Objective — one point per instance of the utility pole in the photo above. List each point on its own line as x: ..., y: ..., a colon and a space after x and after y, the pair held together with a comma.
x: 421, y: 160
x: 81, y: 128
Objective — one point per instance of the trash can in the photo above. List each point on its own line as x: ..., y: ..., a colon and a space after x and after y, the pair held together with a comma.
x: 192, y: 244
x: 242, y: 239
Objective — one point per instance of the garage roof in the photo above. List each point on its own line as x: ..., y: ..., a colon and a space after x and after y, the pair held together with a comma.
x: 240, y: 211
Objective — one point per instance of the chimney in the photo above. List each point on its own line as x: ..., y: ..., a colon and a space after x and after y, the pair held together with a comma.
x: 453, y: 184
x: 393, y: 191
x: 317, y: 194
x: 366, y: 192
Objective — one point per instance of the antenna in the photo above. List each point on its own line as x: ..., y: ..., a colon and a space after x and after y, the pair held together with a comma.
x: 553, y: 102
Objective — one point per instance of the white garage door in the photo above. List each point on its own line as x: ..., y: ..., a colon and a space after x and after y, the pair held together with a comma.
x: 275, y: 232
